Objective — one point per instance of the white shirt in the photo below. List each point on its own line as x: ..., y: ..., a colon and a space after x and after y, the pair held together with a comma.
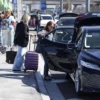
x: 11, y: 19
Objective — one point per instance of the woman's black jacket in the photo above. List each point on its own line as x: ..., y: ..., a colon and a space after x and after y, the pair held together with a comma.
x: 21, y: 35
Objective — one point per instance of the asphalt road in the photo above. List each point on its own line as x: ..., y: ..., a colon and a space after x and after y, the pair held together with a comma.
x: 66, y: 86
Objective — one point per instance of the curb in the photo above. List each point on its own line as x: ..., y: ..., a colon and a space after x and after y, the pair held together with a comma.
x: 43, y: 92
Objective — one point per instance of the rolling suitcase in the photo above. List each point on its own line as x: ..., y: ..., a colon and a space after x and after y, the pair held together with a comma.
x: 31, y: 60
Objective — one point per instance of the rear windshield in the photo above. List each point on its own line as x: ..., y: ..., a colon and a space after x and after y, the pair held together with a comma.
x: 67, y: 22
x: 46, y: 17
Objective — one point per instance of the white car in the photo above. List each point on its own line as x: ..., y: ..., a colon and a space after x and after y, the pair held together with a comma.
x: 45, y: 19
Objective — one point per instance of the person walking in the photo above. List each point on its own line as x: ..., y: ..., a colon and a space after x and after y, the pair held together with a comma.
x: 11, y: 23
x: 49, y: 27
x: 34, y: 22
x: 37, y: 22
x: 9, y: 17
x: 21, y: 39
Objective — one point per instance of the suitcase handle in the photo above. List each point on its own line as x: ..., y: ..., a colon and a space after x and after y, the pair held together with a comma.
x: 30, y: 41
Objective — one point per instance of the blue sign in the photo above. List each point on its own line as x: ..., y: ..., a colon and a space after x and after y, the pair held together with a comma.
x: 14, y: 1
x: 43, y: 5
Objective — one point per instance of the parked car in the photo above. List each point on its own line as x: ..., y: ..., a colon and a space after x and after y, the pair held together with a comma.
x: 85, y: 45
x: 66, y: 21
x: 45, y: 18
x: 68, y: 15
x: 79, y: 58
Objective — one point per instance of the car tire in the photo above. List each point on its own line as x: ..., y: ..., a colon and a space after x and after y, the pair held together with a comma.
x: 77, y: 82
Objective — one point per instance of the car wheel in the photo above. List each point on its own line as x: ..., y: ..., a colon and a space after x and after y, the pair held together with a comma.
x: 77, y: 81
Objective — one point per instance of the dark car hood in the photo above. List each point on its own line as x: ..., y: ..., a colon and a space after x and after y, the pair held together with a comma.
x: 94, y: 52
x: 91, y: 55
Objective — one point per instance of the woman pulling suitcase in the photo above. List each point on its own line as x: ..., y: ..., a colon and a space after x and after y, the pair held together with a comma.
x: 21, y: 39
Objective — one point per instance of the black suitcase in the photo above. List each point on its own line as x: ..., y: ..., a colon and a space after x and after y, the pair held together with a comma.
x: 10, y: 56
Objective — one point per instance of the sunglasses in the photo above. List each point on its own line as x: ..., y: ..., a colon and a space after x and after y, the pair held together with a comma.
x: 52, y: 27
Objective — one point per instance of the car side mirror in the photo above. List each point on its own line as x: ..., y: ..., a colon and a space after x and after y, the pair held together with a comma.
x: 71, y: 46
x: 57, y: 22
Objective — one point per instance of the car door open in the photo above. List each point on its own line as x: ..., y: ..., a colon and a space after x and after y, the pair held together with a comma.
x: 55, y: 47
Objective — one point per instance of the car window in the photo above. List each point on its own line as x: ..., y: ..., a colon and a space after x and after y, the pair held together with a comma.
x: 64, y: 22
x: 92, y: 39
x: 63, y: 35
x: 46, y: 17
x: 56, y: 17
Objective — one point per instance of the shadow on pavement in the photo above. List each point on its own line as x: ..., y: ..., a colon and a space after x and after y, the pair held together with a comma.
x: 67, y: 88
x: 68, y: 91
x: 27, y: 78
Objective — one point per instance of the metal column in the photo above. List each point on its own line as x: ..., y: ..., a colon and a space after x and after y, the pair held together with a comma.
x: 61, y: 6
x: 87, y: 5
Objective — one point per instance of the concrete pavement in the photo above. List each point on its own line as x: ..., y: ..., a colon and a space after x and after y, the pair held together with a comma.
x: 48, y: 90
x: 17, y: 86
x: 25, y: 86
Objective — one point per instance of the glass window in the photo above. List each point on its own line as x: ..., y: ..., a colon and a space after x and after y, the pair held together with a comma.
x: 92, y: 39
x: 46, y: 17
x: 63, y: 35
x: 64, y: 22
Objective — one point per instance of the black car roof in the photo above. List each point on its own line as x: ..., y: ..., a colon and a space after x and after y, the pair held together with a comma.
x: 87, y: 19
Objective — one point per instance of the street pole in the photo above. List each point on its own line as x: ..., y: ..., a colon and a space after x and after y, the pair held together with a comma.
x: 87, y: 5
x: 61, y: 6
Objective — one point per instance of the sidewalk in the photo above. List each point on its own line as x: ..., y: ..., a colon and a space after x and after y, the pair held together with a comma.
x: 17, y: 86
x: 48, y: 90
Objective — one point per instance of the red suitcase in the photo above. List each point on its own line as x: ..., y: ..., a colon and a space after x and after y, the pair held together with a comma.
x: 31, y: 60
